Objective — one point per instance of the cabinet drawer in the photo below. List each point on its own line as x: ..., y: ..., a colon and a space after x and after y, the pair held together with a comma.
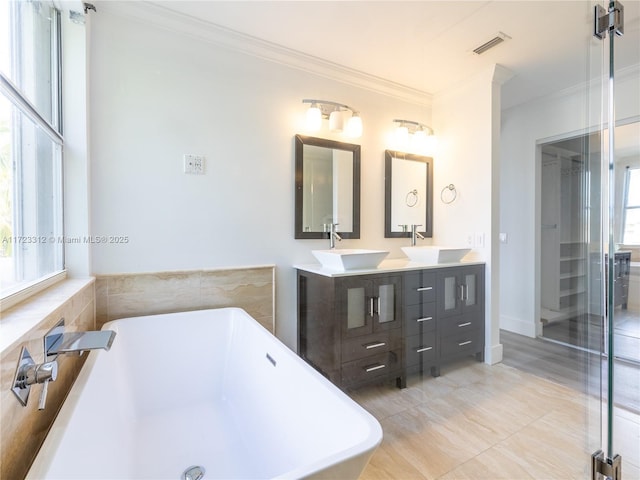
x: 367, y: 345
x: 463, y: 343
x: 419, y: 288
x: 369, y: 368
x: 460, y: 324
x: 419, y: 318
x: 420, y: 348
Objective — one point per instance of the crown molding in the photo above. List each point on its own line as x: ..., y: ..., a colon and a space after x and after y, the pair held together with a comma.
x: 595, y: 84
x: 163, y: 17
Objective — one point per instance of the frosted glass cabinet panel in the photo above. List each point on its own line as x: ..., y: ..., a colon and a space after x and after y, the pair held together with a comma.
x: 450, y: 293
x: 386, y: 303
x: 356, y: 308
x: 470, y: 290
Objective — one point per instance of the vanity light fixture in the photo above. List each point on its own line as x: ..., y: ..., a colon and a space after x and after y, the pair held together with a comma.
x: 415, y: 136
x: 342, y: 118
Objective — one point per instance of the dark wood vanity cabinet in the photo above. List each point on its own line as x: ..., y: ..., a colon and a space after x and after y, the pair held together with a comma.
x: 350, y: 328
x: 420, y: 336
x: 460, y: 313
x: 359, y: 329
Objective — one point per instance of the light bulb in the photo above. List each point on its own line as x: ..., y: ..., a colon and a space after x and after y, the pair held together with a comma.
x: 336, y: 121
x: 354, y: 126
x: 419, y: 140
x: 431, y: 143
x: 314, y: 118
x: 402, y: 136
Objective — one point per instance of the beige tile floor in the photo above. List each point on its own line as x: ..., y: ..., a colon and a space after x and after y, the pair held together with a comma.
x: 490, y: 422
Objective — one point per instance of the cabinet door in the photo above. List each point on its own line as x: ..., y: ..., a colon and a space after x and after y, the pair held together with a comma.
x: 387, y: 305
x: 356, y: 306
x: 460, y: 290
x: 472, y: 288
x: 450, y: 292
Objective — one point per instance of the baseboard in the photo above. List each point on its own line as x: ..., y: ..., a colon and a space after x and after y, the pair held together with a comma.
x: 493, y: 354
x: 517, y: 325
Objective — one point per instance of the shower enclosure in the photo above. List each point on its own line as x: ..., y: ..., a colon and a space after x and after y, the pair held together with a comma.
x: 586, y: 205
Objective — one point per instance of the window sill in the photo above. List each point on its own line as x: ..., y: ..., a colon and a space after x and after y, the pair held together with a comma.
x: 28, y: 290
x: 28, y: 315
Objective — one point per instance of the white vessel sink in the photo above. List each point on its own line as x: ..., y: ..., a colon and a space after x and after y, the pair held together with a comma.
x: 349, y: 258
x: 431, y: 254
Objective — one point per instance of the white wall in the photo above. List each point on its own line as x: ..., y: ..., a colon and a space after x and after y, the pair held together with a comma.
x: 467, y: 119
x: 562, y: 115
x: 156, y: 95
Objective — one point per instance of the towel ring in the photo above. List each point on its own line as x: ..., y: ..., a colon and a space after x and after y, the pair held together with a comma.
x: 412, y: 198
x: 451, y: 196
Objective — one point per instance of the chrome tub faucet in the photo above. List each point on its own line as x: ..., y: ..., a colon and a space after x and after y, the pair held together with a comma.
x: 56, y: 342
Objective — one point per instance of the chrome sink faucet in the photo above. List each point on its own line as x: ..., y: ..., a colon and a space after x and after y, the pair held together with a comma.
x: 333, y: 235
x: 415, y: 234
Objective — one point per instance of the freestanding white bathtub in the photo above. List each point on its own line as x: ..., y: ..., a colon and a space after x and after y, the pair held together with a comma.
x: 209, y: 388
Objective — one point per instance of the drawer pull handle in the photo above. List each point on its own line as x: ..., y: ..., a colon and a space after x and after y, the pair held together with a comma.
x: 424, y: 319
x: 423, y: 349
x: 374, y: 345
x: 464, y: 343
x: 424, y: 289
x: 375, y: 367
x: 466, y: 324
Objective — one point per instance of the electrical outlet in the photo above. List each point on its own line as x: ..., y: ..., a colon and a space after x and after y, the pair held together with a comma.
x: 194, y: 164
x: 470, y: 240
x: 504, y: 238
x: 479, y: 239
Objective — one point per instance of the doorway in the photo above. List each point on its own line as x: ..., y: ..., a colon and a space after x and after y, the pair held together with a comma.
x: 573, y: 275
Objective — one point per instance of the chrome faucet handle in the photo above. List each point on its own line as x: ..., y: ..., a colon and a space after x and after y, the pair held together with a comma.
x: 45, y: 373
x: 29, y: 373
x: 404, y: 226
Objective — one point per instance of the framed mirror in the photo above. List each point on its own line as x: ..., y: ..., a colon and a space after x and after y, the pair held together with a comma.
x: 408, y: 195
x: 327, y: 187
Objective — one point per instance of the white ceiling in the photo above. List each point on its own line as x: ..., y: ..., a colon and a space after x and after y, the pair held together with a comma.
x: 427, y: 45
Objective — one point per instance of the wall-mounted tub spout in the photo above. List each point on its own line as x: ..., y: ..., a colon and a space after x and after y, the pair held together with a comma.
x: 78, y: 342
x: 57, y: 341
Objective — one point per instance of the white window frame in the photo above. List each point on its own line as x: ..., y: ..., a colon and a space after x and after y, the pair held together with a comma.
x: 53, y: 130
x: 625, y: 206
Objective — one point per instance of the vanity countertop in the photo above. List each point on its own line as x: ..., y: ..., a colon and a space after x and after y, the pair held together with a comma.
x: 387, y: 266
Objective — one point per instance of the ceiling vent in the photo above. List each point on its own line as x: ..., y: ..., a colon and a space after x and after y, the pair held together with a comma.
x: 497, y: 40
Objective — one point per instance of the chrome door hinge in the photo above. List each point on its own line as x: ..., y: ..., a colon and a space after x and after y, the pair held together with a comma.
x: 612, y: 20
x: 603, y: 467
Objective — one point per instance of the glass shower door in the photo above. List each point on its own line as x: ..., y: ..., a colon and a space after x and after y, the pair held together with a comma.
x: 608, y: 92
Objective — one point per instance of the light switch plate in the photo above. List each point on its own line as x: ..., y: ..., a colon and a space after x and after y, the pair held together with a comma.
x: 194, y: 164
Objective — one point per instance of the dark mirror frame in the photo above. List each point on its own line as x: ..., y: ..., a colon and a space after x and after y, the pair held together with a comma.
x: 300, y: 141
x: 428, y: 221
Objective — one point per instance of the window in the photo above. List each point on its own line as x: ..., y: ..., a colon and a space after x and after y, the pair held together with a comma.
x: 31, y: 247
x: 631, y: 220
